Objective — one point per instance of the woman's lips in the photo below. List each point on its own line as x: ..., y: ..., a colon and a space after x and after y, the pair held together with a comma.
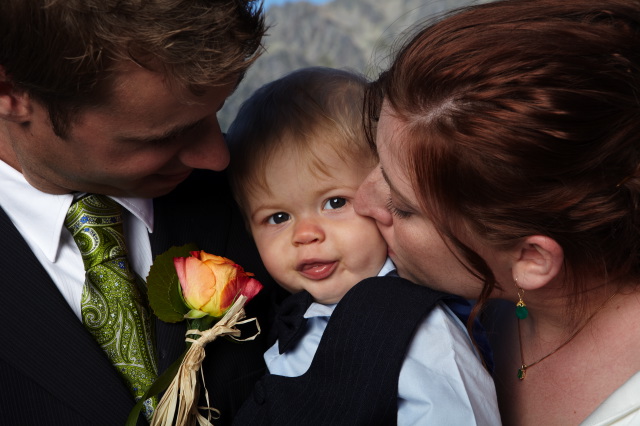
x: 317, y: 270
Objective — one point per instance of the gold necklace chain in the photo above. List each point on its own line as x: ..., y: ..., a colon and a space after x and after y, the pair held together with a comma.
x: 522, y: 371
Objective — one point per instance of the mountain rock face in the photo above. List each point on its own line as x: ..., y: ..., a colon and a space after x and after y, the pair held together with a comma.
x: 352, y: 34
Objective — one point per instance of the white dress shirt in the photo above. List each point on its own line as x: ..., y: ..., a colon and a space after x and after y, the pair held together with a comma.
x: 39, y: 217
x: 442, y: 380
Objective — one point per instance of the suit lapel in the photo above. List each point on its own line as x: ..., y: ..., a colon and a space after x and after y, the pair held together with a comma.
x: 36, y: 320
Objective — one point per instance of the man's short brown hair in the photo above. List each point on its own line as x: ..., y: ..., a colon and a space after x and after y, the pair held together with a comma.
x: 62, y: 52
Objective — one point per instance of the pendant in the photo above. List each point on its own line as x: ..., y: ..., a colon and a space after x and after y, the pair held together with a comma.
x: 521, y: 310
x: 522, y: 372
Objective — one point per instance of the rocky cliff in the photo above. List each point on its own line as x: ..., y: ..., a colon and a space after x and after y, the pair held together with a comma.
x: 353, y: 34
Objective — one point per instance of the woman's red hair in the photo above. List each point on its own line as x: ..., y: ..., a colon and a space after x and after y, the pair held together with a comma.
x: 523, y: 118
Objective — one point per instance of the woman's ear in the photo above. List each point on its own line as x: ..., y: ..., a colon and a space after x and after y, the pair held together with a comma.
x: 15, y: 105
x: 539, y: 259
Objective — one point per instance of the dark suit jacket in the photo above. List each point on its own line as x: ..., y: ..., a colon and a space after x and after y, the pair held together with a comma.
x: 52, y: 372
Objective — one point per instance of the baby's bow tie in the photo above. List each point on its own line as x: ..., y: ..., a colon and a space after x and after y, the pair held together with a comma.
x: 290, y: 323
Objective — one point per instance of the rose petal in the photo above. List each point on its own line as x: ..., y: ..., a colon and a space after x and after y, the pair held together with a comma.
x: 218, y: 260
x: 225, y: 275
x: 251, y: 288
x: 199, y: 283
x: 230, y: 292
x: 179, y: 264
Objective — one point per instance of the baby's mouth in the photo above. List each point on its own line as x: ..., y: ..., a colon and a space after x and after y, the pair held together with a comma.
x: 317, y: 270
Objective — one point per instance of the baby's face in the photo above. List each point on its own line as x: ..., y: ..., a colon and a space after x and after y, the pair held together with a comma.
x: 308, y: 234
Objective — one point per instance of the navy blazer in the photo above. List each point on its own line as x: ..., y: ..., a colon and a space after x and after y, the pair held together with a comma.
x: 52, y: 372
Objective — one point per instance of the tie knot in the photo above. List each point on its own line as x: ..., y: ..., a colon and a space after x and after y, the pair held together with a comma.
x: 95, y: 222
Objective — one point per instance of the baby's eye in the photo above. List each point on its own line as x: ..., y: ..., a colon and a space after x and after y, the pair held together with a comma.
x: 278, y: 218
x: 334, y: 203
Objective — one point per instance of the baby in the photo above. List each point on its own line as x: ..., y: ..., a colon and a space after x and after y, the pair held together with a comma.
x: 351, y: 349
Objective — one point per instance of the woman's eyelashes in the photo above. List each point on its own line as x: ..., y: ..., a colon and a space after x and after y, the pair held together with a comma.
x: 402, y: 214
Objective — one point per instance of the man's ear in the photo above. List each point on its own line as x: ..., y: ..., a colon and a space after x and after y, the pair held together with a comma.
x: 15, y: 105
x: 539, y: 260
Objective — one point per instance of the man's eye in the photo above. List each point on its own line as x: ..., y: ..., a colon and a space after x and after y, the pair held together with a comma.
x: 334, y: 203
x: 278, y: 218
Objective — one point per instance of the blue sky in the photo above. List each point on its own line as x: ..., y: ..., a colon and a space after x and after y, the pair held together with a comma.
x: 268, y: 3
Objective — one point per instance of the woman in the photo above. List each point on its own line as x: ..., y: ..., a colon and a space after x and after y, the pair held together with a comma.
x: 509, y: 145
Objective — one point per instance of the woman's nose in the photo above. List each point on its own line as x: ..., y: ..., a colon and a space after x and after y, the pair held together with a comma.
x: 372, y: 198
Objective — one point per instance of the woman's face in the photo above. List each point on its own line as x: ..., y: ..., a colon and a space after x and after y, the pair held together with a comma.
x: 415, y: 246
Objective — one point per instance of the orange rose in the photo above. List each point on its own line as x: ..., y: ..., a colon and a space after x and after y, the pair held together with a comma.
x: 210, y: 284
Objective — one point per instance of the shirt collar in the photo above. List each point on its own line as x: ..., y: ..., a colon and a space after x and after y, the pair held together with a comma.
x: 142, y: 208
x: 387, y: 267
x: 39, y: 216
x: 319, y: 310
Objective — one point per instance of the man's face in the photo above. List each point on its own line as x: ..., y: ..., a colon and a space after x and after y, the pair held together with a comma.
x: 143, y: 142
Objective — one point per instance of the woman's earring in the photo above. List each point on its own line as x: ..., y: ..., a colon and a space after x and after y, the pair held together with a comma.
x: 521, y: 308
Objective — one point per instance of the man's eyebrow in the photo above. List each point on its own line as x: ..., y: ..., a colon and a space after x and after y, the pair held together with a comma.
x: 167, y: 135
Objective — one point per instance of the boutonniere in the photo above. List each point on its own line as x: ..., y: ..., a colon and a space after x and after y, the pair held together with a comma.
x: 209, y: 292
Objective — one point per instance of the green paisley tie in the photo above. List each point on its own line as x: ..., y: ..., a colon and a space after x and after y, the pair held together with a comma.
x: 113, y: 309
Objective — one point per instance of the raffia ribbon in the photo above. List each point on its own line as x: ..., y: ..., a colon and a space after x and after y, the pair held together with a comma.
x: 182, y: 394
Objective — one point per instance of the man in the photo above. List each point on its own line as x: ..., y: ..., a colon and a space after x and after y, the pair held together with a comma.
x: 116, y: 98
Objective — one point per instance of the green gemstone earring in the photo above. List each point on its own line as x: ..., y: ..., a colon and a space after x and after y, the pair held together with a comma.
x: 521, y: 308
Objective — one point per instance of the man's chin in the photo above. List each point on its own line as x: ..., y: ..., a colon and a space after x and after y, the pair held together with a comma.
x: 152, y: 192
x: 148, y: 187
x: 142, y: 191
x: 159, y: 185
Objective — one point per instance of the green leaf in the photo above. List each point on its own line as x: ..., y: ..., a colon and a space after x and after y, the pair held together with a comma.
x: 163, y: 287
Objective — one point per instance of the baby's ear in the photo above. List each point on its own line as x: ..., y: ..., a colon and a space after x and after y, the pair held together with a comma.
x: 539, y: 260
x: 15, y: 105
